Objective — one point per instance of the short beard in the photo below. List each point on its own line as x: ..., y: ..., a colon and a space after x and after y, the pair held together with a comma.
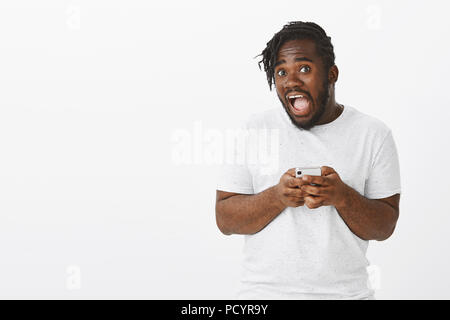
x: 323, y: 98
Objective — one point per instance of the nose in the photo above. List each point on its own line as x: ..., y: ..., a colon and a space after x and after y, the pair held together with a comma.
x: 293, y: 80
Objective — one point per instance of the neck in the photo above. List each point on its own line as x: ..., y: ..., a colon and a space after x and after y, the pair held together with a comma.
x: 332, y: 111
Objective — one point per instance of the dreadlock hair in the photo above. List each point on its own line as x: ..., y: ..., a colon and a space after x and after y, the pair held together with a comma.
x: 296, y: 30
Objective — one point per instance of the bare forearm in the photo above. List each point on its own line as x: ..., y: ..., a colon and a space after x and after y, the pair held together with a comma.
x: 369, y: 219
x: 248, y: 214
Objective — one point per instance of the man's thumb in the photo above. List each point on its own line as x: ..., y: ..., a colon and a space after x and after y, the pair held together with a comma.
x: 327, y: 170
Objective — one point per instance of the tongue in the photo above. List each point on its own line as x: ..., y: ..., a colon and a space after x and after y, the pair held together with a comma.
x: 301, y: 104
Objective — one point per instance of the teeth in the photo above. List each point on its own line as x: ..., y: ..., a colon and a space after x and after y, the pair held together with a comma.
x: 297, y: 96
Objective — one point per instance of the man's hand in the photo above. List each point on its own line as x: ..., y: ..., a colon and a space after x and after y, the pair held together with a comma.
x: 288, y: 190
x: 329, y: 191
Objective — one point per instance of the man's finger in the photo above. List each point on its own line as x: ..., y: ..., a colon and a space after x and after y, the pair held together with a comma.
x: 314, y: 190
x: 327, y: 170
x: 294, y: 182
x: 296, y: 199
x: 291, y: 172
x: 320, y: 180
x: 295, y: 192
x: 299, y: 202
x: 313, y: 202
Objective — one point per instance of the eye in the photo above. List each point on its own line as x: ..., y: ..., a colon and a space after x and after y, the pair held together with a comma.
x: 305, y: 69
x: 281, y: 73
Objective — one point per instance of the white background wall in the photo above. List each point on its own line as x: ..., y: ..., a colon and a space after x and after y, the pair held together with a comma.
x: 92, y: 204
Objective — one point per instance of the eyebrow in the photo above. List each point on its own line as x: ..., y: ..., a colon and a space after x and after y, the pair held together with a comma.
x: 296, y: 59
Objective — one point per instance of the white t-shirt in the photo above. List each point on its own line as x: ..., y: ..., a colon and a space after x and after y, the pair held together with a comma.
x: 310, y: 253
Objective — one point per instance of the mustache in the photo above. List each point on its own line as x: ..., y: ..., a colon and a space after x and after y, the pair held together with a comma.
x: 298, y: 90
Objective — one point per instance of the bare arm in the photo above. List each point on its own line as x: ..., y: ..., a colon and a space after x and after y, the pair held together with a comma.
x: 249, y: 214
x: 370, y: 219
x: 246, y: 214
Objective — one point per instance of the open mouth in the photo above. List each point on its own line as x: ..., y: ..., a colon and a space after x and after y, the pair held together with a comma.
x: 300, y: 104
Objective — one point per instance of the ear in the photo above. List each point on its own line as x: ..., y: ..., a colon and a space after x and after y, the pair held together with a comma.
x: 333, y: 74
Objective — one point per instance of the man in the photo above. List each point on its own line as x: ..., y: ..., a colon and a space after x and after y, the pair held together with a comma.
x: 305, y: 241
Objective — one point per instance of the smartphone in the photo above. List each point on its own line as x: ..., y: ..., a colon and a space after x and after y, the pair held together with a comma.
x: 309, y: 171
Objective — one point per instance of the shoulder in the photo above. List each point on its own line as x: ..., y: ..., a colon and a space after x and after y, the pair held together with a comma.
x: 364, y: 123
x: 270, y: 118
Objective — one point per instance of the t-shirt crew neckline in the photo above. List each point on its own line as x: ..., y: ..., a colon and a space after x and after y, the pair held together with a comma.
x: 319, y: 127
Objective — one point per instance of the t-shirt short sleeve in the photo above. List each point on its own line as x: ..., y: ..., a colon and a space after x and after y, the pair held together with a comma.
x: 384, y: 176
x: 235, y: 178
x: 234, y: 174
